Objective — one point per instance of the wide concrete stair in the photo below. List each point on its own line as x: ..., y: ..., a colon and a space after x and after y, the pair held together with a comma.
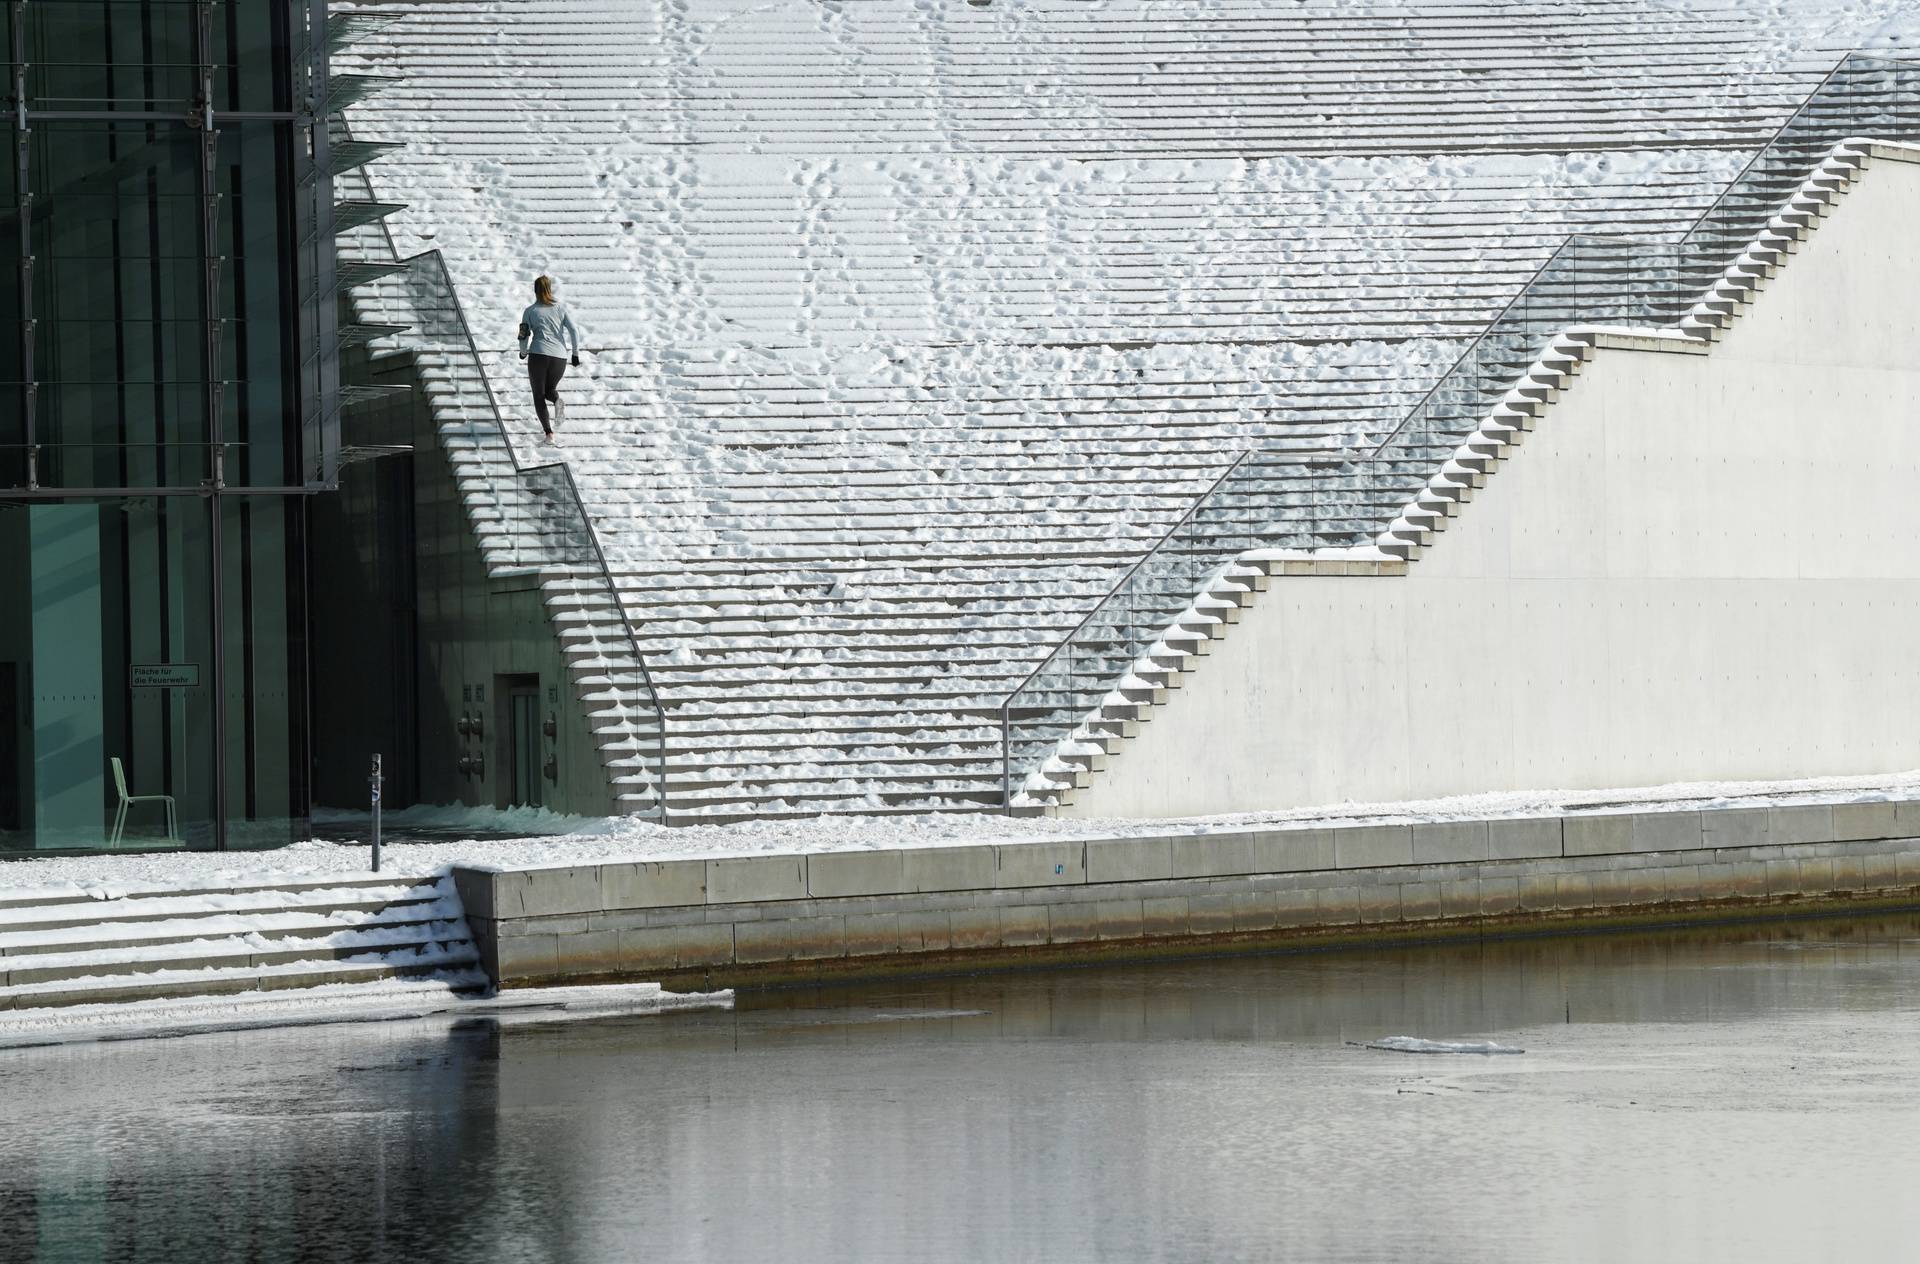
x: 76, y: 948
x: 911, y: 328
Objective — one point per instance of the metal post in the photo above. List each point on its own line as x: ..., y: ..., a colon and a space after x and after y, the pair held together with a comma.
x: 374, y: 781
x: 23, y: 193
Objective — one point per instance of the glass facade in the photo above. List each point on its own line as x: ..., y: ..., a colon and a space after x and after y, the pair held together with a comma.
x: 166, y: 402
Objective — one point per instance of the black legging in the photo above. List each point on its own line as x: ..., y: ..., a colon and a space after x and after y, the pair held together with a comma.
x: 545, y: 372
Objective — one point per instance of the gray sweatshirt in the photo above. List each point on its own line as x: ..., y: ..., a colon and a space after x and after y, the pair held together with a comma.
x: 542, y: 325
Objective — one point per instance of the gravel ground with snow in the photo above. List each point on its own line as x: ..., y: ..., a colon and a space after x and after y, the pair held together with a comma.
x: 548, y: 839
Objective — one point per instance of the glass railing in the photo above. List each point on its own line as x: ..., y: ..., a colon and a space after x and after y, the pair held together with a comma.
x: 1277, y: 500
x: 527, y: 519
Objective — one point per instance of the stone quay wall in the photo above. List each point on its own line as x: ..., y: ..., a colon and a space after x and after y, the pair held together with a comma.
x: 700, y: 924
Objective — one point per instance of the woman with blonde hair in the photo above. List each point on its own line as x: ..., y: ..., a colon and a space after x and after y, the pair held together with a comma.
x: 547, y: 341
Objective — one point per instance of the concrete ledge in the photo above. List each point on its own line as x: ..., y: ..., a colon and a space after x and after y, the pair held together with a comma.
x: 717, y: 917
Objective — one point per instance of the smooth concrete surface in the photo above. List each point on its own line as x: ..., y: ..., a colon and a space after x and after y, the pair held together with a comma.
x: 1696, y: 568
x: 772, y: 917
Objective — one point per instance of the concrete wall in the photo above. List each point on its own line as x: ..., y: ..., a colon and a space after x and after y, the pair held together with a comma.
x: 1697, y: 567
x: 468, y: 631
x: 721, y: 922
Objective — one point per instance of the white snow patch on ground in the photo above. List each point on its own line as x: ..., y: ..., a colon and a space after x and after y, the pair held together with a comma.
x: 383, y: 1001
x: 597, y: 841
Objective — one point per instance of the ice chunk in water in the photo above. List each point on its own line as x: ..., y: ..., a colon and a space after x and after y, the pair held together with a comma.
x: 1414, y: 1044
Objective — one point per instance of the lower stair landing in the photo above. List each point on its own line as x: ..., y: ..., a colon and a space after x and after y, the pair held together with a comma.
x: 64, y: 949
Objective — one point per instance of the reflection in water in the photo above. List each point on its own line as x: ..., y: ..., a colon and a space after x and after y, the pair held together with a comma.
x: 1706, y: 1094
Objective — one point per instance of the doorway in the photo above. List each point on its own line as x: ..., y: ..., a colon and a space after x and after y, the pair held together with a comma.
x: 520, y: 735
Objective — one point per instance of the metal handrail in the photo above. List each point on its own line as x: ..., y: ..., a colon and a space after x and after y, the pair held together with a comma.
x: 1774, y: 141
x: 1473, y: 348
x: 1451, y: 378
x: 1006, y: 704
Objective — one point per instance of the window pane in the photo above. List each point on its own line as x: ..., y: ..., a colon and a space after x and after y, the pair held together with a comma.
x: 88, y: 55
x: 105, y: 676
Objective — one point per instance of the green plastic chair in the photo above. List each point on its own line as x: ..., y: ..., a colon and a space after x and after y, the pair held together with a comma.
x: 128, y: 800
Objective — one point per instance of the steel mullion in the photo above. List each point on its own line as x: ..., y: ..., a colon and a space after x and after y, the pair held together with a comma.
x: 23, y: 200
x: 216, y: 451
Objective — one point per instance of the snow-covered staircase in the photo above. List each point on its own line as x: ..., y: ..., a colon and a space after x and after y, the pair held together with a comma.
x: 64, y: 948
x: 888, y: 381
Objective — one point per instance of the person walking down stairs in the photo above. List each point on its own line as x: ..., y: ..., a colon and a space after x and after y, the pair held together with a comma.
x: 548, y: 341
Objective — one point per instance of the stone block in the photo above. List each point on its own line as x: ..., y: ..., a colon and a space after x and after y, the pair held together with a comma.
x: 1118, y: 919
x: 1293, y: 851
x: 1738, y: 827
x: 1879, y: 871
x: 1739, y: 877
x: 926, y: 930
x: 527, y: 957
x: 789, y: 939
x: 669, y: 947
x: 1908, y: 869
x: 588, y: 952
x: 1523, y: 838
x: 871, y: 934
x: 1024, y: 925
x: 1645, y: 885
x: 974, y: 927
x: 1800, y: 823
x: 1372, y: 846
x: 1254, y: 910
x: 832, y: 874
x: 1499, y: 895
x: 1054, y: 864
x: 1667, y: 831
x: 1861, y: 821
x: 1849, y: 874
x: 750, y: 879
x: 1129, y: 859
x: 1609, y: 888
x: 947, y: 868
x: 1816, y: 876
x: 1537, y: 893
x: 475, y: 889
x: 1210, y: 914
x: 1598, y: 835
x: 1420, y: 901
x: 1443, y: 842
x: 1573, y: 891
x: 1338, y: 906
x: 1682, y: 882
x: 1380, y: 903
x: 1906, y: 817
x: 1459, y: 897
x: 548, y: 892
x: 1295, y: 908
x: 653, y: 884
x: 1212, y: 855
x: 1783, y: 877
x: 571, y: 924
x: 1164, y: 916
x: 1073, y: 922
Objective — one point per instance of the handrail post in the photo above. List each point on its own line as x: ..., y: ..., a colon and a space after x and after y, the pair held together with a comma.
x: 1006, y: 757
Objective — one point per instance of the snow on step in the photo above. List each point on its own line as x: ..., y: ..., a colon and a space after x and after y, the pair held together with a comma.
x: 911, y: 327
x: 164, y: 944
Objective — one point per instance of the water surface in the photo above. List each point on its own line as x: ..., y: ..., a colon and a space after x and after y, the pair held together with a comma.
x: 1731, y: 1094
